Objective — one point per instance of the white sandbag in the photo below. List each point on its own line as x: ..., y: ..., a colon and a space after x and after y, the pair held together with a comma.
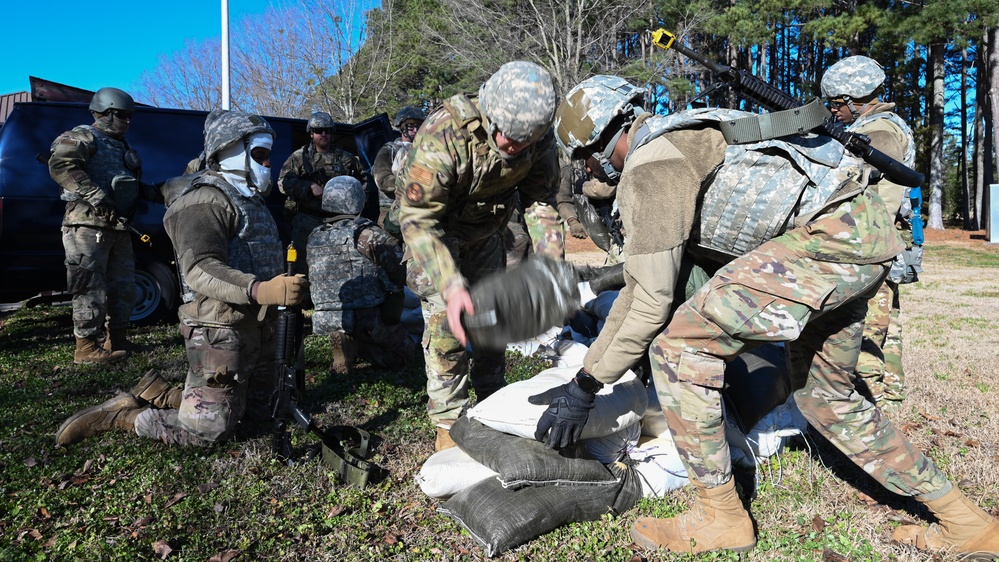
x: 450, y: 471
x: 529, y: 346
x: 658, y: 465
x: 771, y: 433
x: 617, y: 405
x: 609, y: 448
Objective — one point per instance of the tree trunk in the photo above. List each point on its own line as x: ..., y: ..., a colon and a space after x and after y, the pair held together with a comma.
x: 966, y: 210
x: 992, y: 79
x: 935, y: 67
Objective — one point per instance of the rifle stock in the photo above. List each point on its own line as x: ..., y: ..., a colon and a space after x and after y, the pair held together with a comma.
x: 773, y: 99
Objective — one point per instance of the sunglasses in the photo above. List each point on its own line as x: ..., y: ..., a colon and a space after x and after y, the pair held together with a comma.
x: 835, y: 104
x: 322, y: 131
x: 123, y: 115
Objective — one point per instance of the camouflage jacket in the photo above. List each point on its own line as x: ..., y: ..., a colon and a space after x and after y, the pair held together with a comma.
x: 889, y: 134
x: 305, y: 166
x: 660, y: 222
x: 217, y: 235
x: 457, y: 190
x: 71, y: 156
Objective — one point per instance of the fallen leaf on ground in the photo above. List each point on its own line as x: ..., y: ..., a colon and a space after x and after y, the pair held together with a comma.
x: 335, y: 510
x: 226, y: 556
x: 30, y: 462
x: 162, y: 549
x: 973, y: 443
x: 833, y: 556
x: 929, y: 416
x: 818, y: 524
x: 176, y: 498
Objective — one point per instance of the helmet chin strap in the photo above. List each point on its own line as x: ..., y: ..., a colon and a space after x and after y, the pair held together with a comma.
x: 604, y: 157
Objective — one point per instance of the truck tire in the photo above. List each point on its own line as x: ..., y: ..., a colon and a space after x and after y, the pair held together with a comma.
x: 157, y: 293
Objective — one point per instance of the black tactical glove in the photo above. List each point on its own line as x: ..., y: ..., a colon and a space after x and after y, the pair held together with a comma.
x: 106, y: 212
x: 569, y: 406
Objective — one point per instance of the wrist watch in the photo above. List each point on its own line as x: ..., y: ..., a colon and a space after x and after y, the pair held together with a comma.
x: 587, y: 383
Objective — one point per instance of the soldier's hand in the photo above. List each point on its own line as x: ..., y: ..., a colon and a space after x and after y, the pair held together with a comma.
x: 317, y: 190
x: 459, y: 301
x: 577, y: 230
x: 282, y: 290
x: 106, y: 212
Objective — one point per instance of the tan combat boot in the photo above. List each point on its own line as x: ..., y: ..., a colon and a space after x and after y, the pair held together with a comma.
x: 117, y: 340
x: 117, y: 413
x: 444, y: 440
x: 89, y: 351
x: 963, y: 529
x: 157, y: 391
x: 716, y: 521
x: 344, y: 351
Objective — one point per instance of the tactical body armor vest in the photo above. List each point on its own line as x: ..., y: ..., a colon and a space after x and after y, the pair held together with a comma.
x: 486, y: 206
x: 256, y: 248
x: 108, y: 161
x: 342, y: 279
x: 764, y: 187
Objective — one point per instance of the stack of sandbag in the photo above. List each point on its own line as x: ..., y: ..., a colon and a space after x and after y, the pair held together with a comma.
x: 512, y: 488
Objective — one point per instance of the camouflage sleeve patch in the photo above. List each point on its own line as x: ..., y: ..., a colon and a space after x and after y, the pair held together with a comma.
x: 415, y: 193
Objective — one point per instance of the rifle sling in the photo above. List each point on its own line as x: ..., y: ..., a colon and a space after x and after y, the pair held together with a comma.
x: 776, y: 124
x: 345, y: 449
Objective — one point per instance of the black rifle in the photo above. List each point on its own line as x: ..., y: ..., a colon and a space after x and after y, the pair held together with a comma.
x: 290, y: 365
x: 773, y: 99
x: 344, y: 448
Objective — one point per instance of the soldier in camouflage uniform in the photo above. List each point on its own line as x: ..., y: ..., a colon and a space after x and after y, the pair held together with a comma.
x: 306, y: 172
x: 825, y: 266
x: 231, y: 261
x: 468, y: 162
x: 357, y: 280
x: 99, y: 176
x: 389, y: 161
x: 852, y: 88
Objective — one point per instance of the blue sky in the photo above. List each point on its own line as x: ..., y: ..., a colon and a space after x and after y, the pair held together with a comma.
x: 92, y: 44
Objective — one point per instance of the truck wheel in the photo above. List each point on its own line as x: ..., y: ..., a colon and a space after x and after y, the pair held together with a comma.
x: 157, y: 293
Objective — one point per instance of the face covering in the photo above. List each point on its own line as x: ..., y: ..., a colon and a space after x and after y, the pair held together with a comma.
x: 242, y: 171
x: 112, y: 126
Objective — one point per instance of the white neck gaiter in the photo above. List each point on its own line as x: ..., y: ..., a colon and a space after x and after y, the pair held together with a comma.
x: 242, y: 171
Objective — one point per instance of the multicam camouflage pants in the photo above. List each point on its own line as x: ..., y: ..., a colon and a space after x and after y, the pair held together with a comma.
x: 773, y: 295
x: 880, y: 362
x: 539, y: 227
x: 100, y: 274
x: 231, y: 375
x: 450, y: 370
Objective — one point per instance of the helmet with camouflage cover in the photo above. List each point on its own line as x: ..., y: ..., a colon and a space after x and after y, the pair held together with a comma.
x: 111, y: 98
x: 519, y: 100
x: 231, y: 127
x: 407, y: 113
x: 853, y: 78
x: 590, y: 108
x: 344, y: 195
x: 320, y: 120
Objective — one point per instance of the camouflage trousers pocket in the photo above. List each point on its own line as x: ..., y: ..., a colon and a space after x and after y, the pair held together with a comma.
x: 702, y: 370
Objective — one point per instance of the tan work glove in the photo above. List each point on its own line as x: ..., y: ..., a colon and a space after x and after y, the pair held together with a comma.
x: 576, y: 229
x: 282, y: 290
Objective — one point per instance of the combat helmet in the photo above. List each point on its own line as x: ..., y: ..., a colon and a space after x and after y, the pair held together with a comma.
x: 519, y: 100
x: 320, y: 120
x: 588, y: 112
x: 344, y: 195
x: 853, y: 78
x: 409, y: 112
x: 111, y: 98
x: 231, y: 127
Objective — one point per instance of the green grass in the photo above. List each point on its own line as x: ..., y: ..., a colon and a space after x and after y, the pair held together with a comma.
x: 959, y: 256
